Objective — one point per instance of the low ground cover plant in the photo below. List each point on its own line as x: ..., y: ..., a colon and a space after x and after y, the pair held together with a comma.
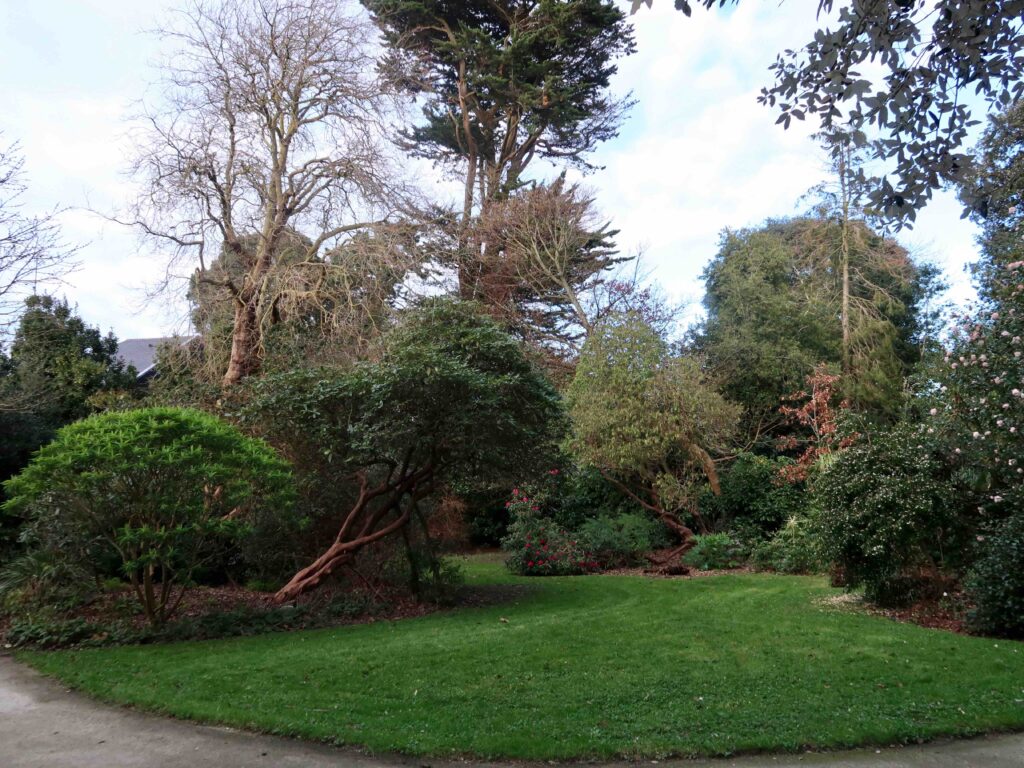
x: 46, y: 630
x: 715, y: 551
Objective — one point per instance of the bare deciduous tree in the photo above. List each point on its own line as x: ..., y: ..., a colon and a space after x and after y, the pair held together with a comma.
x: 269, y: 126
x: 32, y: 252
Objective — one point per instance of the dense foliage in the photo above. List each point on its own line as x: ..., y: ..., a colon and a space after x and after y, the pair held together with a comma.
x: 715, y: 551
x: 888, y: 516
x: 647, y: 420
x: 537, y: 546
x: 54, y: 372
x: 542, y: 540
x: 809, y: 422
x: 996, y: 581
x: 508, y: 80
x: 795, y: 548
x: 151, y: 495
x: 756, y: 500
x: 453, y: 397
x: 773, y: 297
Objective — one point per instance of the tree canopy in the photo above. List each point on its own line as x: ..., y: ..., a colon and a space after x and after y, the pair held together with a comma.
x: 270, y: 137
x: 649, y: 421
x: 57, y: 362
x: 503, y: 83
x: 507, y: 81
x: 993, y: 194
x: 773, y: 299
x: 452, y: 397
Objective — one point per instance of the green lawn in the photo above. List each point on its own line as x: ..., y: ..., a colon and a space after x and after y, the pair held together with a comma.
x: 585, y: 666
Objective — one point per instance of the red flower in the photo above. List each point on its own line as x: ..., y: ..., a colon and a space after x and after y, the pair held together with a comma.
x: 530, y: 564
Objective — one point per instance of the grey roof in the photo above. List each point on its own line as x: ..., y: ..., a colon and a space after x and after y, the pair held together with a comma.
x: 142, y: 352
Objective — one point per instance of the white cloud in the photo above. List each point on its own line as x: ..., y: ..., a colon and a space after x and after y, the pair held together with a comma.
x: 698, y: 154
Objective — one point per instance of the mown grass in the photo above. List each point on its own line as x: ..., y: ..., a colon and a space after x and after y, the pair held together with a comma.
x: 585, y: 667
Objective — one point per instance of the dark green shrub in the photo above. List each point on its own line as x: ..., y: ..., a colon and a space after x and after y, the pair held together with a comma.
x: 622, y: 540
x: 793, y: 549
x: 429, y: 577
x: 486, y: 515
x: 452, y: 397
x: 579, y: 494
x: 569, y: 495
x: 715, y: 551
x: 160, y: 492
x: 889, y: 519
x: 754, y: 502
x: 996, y: 582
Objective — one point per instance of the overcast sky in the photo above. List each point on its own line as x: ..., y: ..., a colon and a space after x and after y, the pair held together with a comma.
x: 697, y: 155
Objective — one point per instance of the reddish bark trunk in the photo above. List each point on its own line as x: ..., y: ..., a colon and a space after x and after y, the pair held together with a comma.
x: 686, y: 536
x: 244, y: 344
x: 360, y: 528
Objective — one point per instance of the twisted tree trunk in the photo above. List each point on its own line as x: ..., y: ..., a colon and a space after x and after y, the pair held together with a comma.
x: 364, y: 524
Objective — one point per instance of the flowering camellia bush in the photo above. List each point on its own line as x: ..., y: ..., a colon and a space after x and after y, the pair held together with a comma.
x: 538, y: 546
x: 985, y: 388
x: 984, y: 403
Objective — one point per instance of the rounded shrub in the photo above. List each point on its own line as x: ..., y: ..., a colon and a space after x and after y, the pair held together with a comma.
x: 996, y: 582
x: 888, y: 517
x: 538, y: 546
x: 155, y: 493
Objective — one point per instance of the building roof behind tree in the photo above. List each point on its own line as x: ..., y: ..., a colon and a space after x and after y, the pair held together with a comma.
x: 141, y: 353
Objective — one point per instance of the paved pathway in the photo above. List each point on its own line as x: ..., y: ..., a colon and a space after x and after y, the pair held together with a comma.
x: 42, y: 725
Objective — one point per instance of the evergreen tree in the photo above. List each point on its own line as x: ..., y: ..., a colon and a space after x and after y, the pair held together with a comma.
x: 503, y: 83
x: 774, y: 299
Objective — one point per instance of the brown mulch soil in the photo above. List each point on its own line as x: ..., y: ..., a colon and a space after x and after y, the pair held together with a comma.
x: 927, y: 614
x: 655, y: 572
x: 932, y: 614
